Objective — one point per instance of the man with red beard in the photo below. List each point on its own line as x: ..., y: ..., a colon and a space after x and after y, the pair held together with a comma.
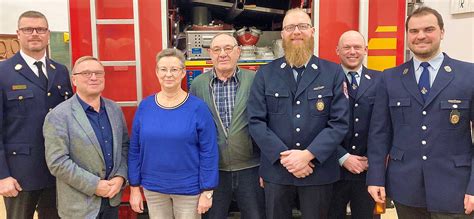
x: 423, y: 116
x: 298, y: 115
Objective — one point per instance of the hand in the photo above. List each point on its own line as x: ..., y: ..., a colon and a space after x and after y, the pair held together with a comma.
x: 295, y: 160
x: 136, y: 200
x: 377, y: 193
x: 204, y: 203
x: 468, y: 203
x: 262, y: 184
x: 308, y: 170
x: 103, y: 188
x: 9, y: 187
x: 115, y: 186
x: 356, y: 164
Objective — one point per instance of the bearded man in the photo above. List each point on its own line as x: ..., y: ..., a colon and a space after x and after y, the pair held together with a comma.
x: 298, y: 115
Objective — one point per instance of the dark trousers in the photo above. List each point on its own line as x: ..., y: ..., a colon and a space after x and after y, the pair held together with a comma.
x: 25, y: 204
x: 408, y: 212
x: 106, y: 211
x: 355, y: 192
x: 243, y: 186
x: 314, y: 200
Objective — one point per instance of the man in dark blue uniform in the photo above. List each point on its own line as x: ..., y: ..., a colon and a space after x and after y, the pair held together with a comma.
x: 422, y: 120
x: 298, y: 115
x: 30, y: 86
x: 352, y: 154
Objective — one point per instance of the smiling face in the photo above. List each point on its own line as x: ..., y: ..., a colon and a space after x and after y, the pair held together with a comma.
x: 91, y: 85
x: 170, y: 72
x: 424, y: 36
x: 34, y: 42
x: 351, y: 50
x: 298, y: 43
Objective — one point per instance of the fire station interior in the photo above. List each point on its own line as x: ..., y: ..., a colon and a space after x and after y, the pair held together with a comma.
x: 256, y: 24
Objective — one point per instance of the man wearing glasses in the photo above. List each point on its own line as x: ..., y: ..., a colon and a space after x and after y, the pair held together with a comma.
x: 225, y: 89
x: 31, y: 85
x: 86, y: 144
x: 298, y: 115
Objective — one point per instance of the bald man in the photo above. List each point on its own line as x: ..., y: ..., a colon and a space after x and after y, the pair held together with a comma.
x: 352, y: 154
x: 298, y: 115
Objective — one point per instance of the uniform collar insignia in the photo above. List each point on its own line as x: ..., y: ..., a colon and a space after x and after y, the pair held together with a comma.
x: 18, y: 67
x: 447, y: 68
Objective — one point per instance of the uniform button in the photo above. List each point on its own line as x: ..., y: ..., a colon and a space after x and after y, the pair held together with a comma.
x: 20, y: 97
x: 49, y: 94
x: 297, y: 144
x: 356, y: 134
x: 424, y: 113
x: 66, y: 93
x: 276, y: 94
x: 298, y: 102
x: 356, y: 119
x: 423, y: 127
x: 423, y: 142
x: 356, y: 105
x: 298, y: 129
x: 353, y: 147
x: 14, y: 152
x: 320, y: 96
x: 455, y: 106
x: 59, y: 87
x: 398, y: 103
x: 424, y: 157
x: 298, y: 116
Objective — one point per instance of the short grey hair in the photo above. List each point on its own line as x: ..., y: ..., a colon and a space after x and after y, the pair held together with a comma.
x: 171, y: 53
x: 83, y: 59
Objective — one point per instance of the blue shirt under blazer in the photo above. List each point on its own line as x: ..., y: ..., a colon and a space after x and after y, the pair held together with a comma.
x: 24, y: 102
x: 361, y: 107
x: 431, y: 153
x: 313, y: 115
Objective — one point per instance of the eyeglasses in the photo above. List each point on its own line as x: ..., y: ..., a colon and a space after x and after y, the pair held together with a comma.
x: 172, y: 70
x: 29, y: 30
x: 292, y: 27
x: 227, y: 49
x: 88, y: 74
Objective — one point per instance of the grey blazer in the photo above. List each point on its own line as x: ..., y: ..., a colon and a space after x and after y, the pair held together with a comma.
x: 74, y: 156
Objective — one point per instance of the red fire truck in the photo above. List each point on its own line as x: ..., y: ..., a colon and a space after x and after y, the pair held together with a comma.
x: 127, y: 34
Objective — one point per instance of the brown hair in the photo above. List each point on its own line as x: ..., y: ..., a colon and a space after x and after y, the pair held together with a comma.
x: 421, y: 11
x: 32, y: 14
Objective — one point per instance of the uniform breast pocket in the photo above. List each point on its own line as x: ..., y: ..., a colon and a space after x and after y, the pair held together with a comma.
x: 455, y: 113
x: 398, y: 109
x: 319, y: 102
x: 277, y: 100
x: 19, y: 102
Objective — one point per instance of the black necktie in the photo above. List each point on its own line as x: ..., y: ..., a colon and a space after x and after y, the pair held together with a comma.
x: 354, y: 86
x: 424, y: 82
x: 300, y: 71
x: 41, y: 75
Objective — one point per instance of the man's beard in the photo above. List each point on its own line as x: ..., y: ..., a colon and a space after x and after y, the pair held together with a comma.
x: 298, y: 55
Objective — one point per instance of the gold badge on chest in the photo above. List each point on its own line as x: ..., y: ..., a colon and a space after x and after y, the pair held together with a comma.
x: 320, y: 105
x: 454, y: 117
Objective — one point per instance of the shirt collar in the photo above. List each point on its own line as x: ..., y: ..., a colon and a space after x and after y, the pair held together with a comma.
x: 346, y: 70
x: 30, y: 61
x: 87, y: 107
x: 233, y: 77
x: 435, y: 62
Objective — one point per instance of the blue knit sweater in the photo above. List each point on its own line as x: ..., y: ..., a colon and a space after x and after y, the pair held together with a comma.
x: 173, y: 150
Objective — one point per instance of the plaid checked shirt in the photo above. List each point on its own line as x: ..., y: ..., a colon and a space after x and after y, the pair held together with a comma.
x: 224, y: 97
